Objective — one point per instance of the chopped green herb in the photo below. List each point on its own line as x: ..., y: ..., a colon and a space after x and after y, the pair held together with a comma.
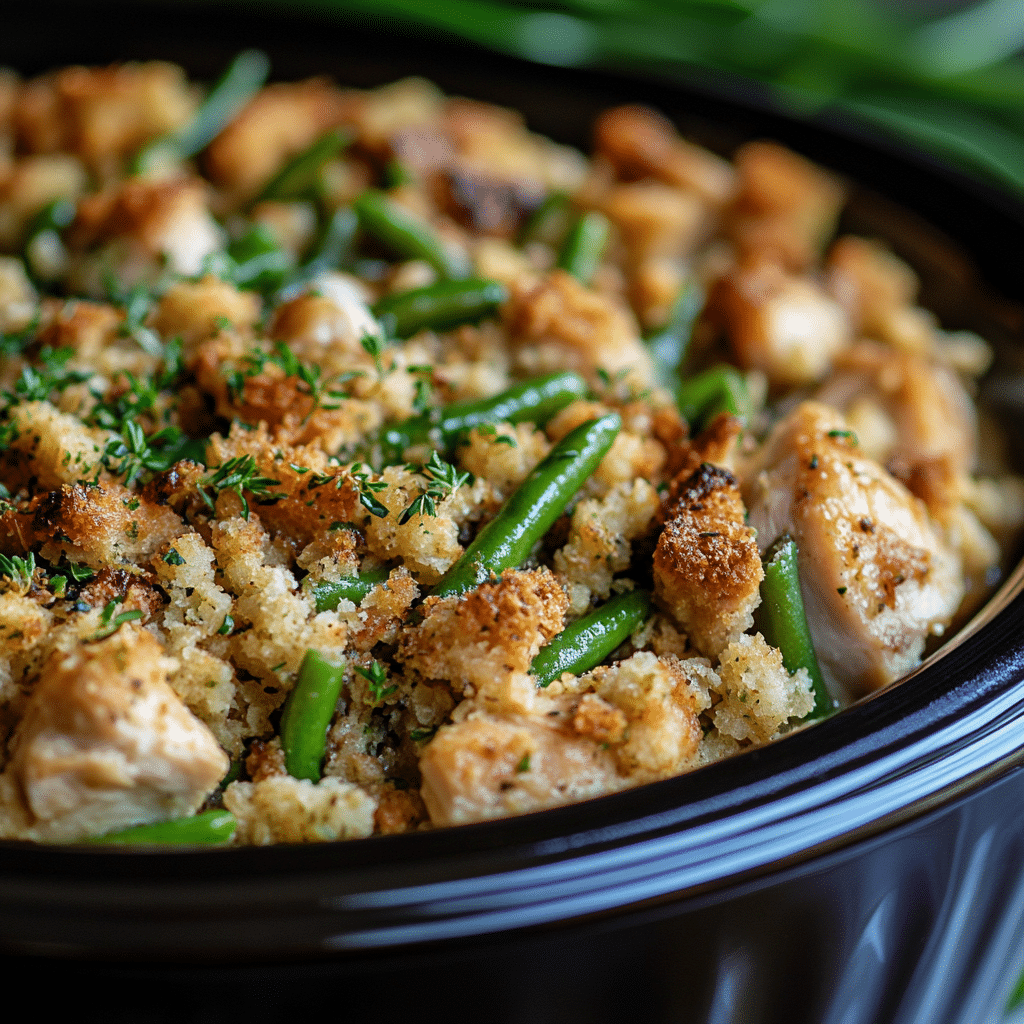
x: 21, y: 570
x: 376, y: 676
x: 173, y: 558
x: 111, y: 623
x: 226, y: 626
x: 442, y: 480
x: 239, y: 474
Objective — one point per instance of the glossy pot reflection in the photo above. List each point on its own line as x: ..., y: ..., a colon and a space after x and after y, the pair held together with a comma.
x: 864, y: 871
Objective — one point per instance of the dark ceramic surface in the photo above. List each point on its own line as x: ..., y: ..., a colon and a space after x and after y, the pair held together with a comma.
x: 865, y: 871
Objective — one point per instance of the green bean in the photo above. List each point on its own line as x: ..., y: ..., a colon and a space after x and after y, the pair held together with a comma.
x: 720, y: 389
x: 241, y: 81
x: 533, y: 401
x: 257, y: 262
x: 307, y: 714
x: 299, y: 176
x: 781, y: 621
x: 539, y: 225
x: 668, y: 345
x: 204, y: 829
x: 408, y: 235
x: 331, y: 250
x: 584, y: 246
x: 540, y: 499
x: 589, y: 640
x: 327, y: 594
x: 439, y: 306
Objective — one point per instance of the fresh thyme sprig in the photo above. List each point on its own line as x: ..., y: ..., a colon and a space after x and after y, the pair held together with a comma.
x: 20, y: 569
x: 111, y: 623
x: 325, y: 394
x: 239, y: 474
x: 37, y: 383
x: 132, y: 453
x: 376, y: 677
x: 360, y: 475
x: 442, y: 480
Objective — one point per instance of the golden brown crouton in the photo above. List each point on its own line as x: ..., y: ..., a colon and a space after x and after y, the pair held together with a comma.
x: 485, y: 635
x: 559, y: 322
x: 102, y: 114
x: 707, y: 569
x: 640, y: 142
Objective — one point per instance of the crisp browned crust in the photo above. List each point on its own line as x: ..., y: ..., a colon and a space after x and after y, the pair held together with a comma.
x: 707, y: 569
x: 499, y: 626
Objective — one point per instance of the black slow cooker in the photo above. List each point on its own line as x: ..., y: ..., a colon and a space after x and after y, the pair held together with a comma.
x: 867, y: 870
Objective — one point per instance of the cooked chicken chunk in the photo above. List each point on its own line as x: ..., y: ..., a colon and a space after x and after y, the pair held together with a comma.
x: 781, y: 324
x: 929, y: 435
x: 877, y: 577
x: 105, y: 743
x: 141, y: 228
x: 707, y: 569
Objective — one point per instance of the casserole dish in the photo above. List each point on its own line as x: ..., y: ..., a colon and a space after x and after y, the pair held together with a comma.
x: 856, y: 871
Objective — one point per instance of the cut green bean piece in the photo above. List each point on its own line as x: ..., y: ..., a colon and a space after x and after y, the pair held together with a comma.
x: 439, y: 306
x: 533, y: 401
x: 331, y: 250
x: 584, y: 246
x: 668, y: 345
x: 781, y: 621
x: 407, y: 235
x: 506, y: 541
x: 720, y: 389
x: 307, y: 714
x: 206, y: 829
x: 299, y: 177
x: 257, y: 262
x: 241, y: 81
x: 327, y: 594
x: 548, y: 218
x: 589, y: 640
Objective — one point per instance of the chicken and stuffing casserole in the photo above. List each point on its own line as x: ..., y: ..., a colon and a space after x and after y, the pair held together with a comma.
x: 369, y: 463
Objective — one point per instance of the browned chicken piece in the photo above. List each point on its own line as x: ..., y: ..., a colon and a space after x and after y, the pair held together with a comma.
x: 635, y: 722
x: 102, y: 114
x: 197, y: 310
x: 641, y: 143
x: 327, y: 324
x: 784, y: 325
x: 877, y: 577
x: 281, y: 121
x: 786, y: 207
x: 879, y: 291
x: 105, y: 743
x: 488, y: 766
x: 911, y: 414
x: 707, y: 569
x: 139, y: 229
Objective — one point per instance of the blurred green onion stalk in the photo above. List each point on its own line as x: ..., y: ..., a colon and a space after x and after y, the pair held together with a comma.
x: 951, y: 82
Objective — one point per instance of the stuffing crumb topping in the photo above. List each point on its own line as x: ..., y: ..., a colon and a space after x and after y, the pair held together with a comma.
x: 370, y: 463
